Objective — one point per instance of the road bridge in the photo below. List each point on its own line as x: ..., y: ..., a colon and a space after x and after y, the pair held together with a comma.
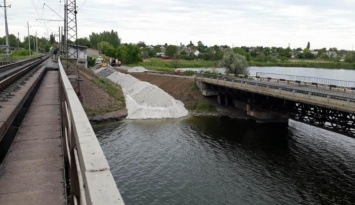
x: 267, y: 99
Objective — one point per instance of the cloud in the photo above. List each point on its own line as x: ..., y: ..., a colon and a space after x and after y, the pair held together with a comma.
x: 324, y: 23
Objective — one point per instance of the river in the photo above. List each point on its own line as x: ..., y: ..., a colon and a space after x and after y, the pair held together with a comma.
x: 206, y: 160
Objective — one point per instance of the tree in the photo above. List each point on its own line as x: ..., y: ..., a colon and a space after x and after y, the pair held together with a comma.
x: 350, y: 58
x: 109, y: 36
x: 200, y: 46
x: 234, y: 63
x: 128, y: 54
x: 141, y: 44
x: 239, y: 51
x: 171, y: 50
x: 103, y: 46
x: 307, y: 54
x: 84, y: 42
x: 52, y: 39
x: 191, y: 44
x: 308, y: 45
x: 261, y: 57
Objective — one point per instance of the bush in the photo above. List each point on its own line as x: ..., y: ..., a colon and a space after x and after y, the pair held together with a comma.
x: 91, y: 61
x: 20, y: 53
x: 204, y: 107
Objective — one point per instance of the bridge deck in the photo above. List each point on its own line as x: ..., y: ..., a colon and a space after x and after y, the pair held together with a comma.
x: 32, y: 172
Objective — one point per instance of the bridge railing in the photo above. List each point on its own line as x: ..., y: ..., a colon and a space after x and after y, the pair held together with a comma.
x: 314, y: 80
x: 293, y: 89
x: 90, y: 178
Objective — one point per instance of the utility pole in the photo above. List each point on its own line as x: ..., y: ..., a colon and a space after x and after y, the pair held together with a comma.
x: 6, y: 28
x: 29, y: 39
x: 59, y: 39
x: 18, y: 40
x: 71, y: 28
x: 36, y: 43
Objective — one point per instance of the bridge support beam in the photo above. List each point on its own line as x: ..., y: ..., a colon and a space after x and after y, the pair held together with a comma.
x: 205, y: 90
x: 266, y: 116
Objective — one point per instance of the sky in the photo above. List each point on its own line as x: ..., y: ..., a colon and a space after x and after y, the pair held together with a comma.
x: 323, y: 23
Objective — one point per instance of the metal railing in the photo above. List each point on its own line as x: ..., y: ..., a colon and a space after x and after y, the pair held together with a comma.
x: 90, y: 178
x: 289, y: 88
x: 315, y: 80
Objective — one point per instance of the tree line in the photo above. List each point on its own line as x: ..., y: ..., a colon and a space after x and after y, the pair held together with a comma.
x: 43, y: 44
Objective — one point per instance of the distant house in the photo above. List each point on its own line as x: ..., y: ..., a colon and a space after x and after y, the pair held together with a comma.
x: 197, y: 53
x: 162, y: 49
x: 332, y: 54
x: 314, y: 52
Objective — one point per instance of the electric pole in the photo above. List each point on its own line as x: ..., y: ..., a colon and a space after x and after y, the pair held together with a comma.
x: 18, y: 40
x: 6, y: 28
x: 29, y: 39
x: 71, y: 28
x: 36, y: 43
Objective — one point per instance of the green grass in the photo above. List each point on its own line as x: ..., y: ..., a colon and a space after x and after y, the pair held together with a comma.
x: 112, y: 90
x: 203, y: 107
x: 94, y: 112
x: 307, y: 64
x: 168, y: 65
x: 19, y: 57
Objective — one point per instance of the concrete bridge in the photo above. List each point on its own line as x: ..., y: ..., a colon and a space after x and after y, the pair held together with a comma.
x: 49, y: 153
x: 275, y: 100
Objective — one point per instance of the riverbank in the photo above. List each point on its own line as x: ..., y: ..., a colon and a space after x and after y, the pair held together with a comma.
x: 102, y: 100
x: 168, y: 65
x: 184, y: 89
x: 307, y: 64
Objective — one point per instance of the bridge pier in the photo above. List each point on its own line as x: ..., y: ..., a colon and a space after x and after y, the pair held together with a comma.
x: 260, y: 116
x: 223, y: 100
x: 267, y: 116
x: 205, y: 90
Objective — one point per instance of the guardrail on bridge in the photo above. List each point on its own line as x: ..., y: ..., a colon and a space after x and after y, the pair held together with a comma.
x: 314, y: 80
x: 346, y: 100
x: 91, y: 181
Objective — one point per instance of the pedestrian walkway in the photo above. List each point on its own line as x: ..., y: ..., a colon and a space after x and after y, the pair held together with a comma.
x: 32, y: 172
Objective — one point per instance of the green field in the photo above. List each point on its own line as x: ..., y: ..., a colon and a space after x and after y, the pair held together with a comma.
x: 169, y: 65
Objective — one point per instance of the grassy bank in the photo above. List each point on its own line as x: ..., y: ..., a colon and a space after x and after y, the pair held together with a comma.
x: 307, y: 64
x: 202, y: 107
x: 169, y: 65
x: 112, y: 90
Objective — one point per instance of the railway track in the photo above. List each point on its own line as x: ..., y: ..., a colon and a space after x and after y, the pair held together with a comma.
x: 12, y: 76
x: 18, y: 82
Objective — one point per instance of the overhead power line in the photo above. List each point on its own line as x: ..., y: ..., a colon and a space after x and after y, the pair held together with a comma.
x: 49, y: 20
x: 44, y: 4
x: 6, y: 28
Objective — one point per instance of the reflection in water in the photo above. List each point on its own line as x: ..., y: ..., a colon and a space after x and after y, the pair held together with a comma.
x: 204, y: 160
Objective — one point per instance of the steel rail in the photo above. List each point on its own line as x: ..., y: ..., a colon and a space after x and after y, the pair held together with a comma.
x: 19, y: 63
x: 10, y: 78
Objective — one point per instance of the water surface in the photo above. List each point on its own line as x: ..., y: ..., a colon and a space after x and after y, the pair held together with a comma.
x: 225, y: 161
